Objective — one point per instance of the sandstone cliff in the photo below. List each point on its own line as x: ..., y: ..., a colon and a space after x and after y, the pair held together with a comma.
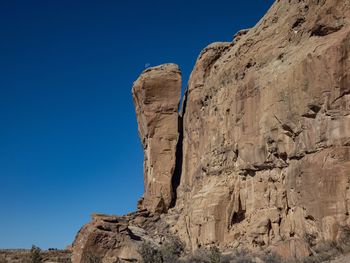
x: 156, y: 95
x: 260, y: 154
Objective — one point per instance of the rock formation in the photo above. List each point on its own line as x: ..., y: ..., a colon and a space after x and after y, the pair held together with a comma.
x: 156, y: 95
x: 266, y: 131
x: 116, y: 238
x: 260, y: 156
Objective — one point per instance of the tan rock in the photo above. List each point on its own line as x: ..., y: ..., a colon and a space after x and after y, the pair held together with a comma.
x: 156, y: 95
x: 292, y: 249
x: 117, y: 238
x: 263, y: 139
x: 266, y: 131
x: 105, y: 237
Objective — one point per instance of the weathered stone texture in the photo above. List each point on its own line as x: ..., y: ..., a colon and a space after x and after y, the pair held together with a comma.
x: 266, y: 131
x: 264, y: 135
x: 156, y: 96
x: 117, y: 238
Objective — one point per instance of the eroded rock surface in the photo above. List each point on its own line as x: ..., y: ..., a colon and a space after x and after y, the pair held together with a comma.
x: 264, y: 136
x: 266, y: 132
x: 156, y: 95
x: 117, y: 238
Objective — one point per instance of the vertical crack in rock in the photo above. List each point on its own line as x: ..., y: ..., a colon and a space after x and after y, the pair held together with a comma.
x: 279, y: 96
x: 156, y: 95
x: 179, y: 153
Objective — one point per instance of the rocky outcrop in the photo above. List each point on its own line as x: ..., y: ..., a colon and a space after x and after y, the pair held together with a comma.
x: 106, y: 236
x: 262, y: 147
x: 156, y: 95
x: 117, y: 238
x: 266, y: 132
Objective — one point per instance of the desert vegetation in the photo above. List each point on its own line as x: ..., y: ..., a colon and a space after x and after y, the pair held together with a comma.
x: 173, y: 252
x: 170, y: 251
x: 327, y: 250
x: 91, y: 258
x: 214, y: 255
x: 34, y: 255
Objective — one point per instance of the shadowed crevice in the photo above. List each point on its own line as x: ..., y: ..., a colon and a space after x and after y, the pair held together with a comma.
x: 175, y: 180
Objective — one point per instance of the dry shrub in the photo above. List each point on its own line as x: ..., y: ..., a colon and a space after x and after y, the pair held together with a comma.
x: 91, y: 258
x: 327, y: 250
x: 149, y: 253
x: 344, y: 239
x: 242, y: 256
x: 213, y: 255
x: 272, y: 258
x: 204, y: 255
x: 3, y: 259
x: 323, y: 251
x: 35, y: 255
x: 171, y: 250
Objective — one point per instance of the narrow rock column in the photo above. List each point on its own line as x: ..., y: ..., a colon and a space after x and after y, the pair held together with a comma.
x: 156, y: 95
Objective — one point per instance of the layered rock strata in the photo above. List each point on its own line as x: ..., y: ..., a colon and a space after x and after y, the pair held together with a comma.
x: 260, y: 156
x: 113, y: 239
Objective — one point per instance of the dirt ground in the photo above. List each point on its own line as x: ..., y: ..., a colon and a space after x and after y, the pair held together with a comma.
x: 23, y: 255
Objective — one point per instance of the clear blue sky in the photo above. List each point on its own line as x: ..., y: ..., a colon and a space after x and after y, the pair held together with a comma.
x: 68, y: 136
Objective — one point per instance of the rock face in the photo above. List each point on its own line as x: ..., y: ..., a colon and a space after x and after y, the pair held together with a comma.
x: 101, y: 237
x: 156, y: 95
x: 261, y: 156
x: 117, y: 238
x: 266, y: 131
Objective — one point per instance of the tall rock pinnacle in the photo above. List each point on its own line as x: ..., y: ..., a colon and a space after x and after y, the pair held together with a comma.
x: 262, y: 144
x: 156, y: 95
